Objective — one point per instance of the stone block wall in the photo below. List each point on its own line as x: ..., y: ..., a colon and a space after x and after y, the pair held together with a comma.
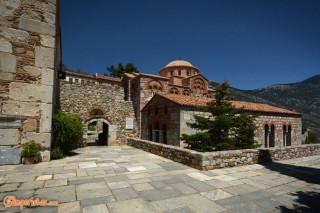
x: 223, y: 159
x: 81, y: 99
x: 27, y: 73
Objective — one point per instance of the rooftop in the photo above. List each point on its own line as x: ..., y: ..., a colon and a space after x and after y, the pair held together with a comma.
x: 179, y: 63
x: 252, y: 107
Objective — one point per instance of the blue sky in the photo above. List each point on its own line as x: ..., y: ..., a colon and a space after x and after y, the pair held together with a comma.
x: 250, y: 43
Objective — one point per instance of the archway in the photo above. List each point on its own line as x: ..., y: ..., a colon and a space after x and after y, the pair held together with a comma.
x: 98, y: 132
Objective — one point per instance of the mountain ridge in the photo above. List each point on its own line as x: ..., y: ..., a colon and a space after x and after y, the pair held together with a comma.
x: 302, y: 97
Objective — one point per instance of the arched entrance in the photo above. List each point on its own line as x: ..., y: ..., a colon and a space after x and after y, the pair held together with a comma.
x: 97, y: 131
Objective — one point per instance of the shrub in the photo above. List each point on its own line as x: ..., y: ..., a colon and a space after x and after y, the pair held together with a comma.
x: 311, y: 138
x: 68, y: 130
x: 56, y: 153
x: 31, y: 149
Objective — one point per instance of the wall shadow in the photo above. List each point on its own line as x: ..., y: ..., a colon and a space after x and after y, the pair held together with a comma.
x: 306, y: 201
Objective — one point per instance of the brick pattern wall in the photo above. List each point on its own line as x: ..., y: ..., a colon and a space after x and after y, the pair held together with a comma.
x: 223, y: 159
x: 27, y: 72
x: 81, y: 99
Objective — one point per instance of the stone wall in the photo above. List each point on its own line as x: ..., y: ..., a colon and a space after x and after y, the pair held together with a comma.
x: 222, y: 159
x: 262, y: 119
x: 82, y: 99
x: 27, y: 74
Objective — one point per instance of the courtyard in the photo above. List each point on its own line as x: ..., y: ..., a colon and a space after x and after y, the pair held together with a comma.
x: 125, y: 179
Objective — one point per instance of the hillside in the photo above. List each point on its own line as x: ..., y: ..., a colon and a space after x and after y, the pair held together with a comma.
x: 303, y: 97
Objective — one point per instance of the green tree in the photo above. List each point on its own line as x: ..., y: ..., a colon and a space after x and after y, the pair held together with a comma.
x: 311, y: 138
x: 225, y: 128
x: 120, y: 70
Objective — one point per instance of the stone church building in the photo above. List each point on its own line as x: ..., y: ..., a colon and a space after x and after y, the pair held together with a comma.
x: 164, y: 104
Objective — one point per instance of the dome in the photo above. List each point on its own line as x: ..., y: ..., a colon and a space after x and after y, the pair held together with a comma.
x: 179, y: 63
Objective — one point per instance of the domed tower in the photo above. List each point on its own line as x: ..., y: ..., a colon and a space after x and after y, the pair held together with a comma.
x: 179, y: 68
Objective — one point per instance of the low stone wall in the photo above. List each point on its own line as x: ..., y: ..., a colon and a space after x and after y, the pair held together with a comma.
x: 222, y: 159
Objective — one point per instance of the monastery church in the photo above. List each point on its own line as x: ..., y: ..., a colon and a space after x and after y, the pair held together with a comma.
x: 164, y: 104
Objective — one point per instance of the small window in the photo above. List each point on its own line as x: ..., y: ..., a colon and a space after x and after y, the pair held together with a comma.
x: 70, y: 80
x: 76, y: 80
x: 82, y: 81
x: 179, y: 72
x: 150, y: 87
x: 188, y: 72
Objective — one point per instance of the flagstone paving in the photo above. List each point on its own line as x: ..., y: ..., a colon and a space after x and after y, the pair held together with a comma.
x: 125, y: 179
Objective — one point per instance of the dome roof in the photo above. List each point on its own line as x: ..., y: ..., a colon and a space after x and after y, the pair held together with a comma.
x: 179, y: 63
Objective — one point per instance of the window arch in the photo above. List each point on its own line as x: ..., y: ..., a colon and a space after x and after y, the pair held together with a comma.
x: 155, y: 85
x: 199, y: 86
x: 272, y: 136
x: 174, y: 91
x: 96, y: 112
x: 266, y: 135
x: 186, y: 92
x: 289, y: 136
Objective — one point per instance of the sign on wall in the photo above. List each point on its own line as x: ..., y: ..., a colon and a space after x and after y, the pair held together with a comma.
x: 129, y: 123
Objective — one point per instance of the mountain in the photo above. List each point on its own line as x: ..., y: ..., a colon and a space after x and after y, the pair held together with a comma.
x: 303, y: 97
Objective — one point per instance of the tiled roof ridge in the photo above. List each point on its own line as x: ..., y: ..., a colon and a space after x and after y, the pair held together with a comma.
x: 249, y: 106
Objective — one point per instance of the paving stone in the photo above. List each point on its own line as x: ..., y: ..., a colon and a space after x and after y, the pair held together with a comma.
x: 184, y: 209
x: 92, y: 190
x: 216, y: 194
x: 257, y: 195
x: 279, y: 190
x: 199, y: 203
x: 55, y: 183
x: 44, y: 177
x: 9, y: 187
x: 268, y: 204
x: 31, y: 185
x: 136, y: 168
x: 85, y: 179
x: 199, y: 176
x: 98, y: 201
x: 124, y: 194
x: 249, y: 208
x: 159, y: 194
x: 129, y: 206
x: 23, y: 194
x: 102, y: 208
x: 67, y: 175
x: 61, y: 194
x: 142, y: 186
x: 71, y: 207
x: 158, y: 184
x: 217, y: 184
x: 20, y: 179
x: 200, y: 185
x: 183, y: 188
x: 232, y: 202
x: 240, y: 189
x: 118, y: 185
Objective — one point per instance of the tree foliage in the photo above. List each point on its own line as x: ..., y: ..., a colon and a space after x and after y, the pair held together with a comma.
x: 225, y: 128
x: 311, y: 138
x: 120, y: 70
x: 68, y: 130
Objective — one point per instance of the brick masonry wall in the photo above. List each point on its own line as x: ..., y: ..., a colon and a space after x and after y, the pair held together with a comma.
x: 27, y: 48
x: 81, y: 99
x: 223, y: 159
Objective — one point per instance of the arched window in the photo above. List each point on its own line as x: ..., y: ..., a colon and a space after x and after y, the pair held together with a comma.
x: 284, y: 128
x: 188, y: 72
x: 272, y: 136
x: 266, y: 136
x: 157, y: 132
x: 179, y: 72
x: 164, y: 134
x: 156, y: 110
x: 150, y: 132
x: 96, y: 112
x: 155, y: 85
x: 165, y: 110
x: 174, y: 91
x: 289, y: 136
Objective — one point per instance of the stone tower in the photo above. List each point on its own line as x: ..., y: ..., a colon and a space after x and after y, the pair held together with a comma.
x: 30, y: 63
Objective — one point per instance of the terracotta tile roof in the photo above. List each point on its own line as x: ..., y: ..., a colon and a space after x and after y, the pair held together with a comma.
x: 154, y: 76
x: 252, y: 107
x: 79, y: 74
x: 108, y: 78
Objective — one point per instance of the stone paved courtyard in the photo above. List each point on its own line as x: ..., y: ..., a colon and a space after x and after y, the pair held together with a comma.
x: 125, y: 179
